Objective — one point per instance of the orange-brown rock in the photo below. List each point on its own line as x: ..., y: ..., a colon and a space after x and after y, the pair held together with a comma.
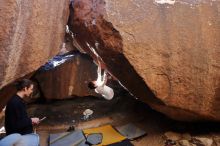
x: 68, y: 79
x: 170, y: 46
x: 31, y: 32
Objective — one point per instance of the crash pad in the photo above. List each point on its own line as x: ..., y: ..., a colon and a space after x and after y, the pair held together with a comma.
x: 131, y: 131
x: 110, y: 135
x: 67, y: 139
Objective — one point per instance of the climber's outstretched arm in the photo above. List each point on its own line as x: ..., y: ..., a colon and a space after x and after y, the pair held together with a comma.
x: 105, y: 79
x: 99, y: 73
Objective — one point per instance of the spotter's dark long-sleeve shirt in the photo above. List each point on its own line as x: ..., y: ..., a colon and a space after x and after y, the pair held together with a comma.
x: 16, y: 118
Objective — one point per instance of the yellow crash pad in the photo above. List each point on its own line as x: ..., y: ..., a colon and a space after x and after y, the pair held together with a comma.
x: 110, y: 135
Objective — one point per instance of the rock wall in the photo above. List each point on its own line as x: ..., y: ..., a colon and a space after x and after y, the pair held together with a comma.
x: 31, y: 32
x: 165, y: 52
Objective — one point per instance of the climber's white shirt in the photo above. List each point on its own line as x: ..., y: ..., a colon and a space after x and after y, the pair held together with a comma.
x: 105, y: 91
x: 101, y: 88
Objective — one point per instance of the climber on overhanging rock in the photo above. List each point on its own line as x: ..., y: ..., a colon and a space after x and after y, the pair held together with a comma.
x: 100, y: 84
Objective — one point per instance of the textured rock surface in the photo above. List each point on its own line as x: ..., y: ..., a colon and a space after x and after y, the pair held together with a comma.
x: 172, y: 47
x: 31, y: 32
x: 70, y: 78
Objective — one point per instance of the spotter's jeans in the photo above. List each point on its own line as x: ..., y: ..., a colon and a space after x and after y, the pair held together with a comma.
x: 20, y: 140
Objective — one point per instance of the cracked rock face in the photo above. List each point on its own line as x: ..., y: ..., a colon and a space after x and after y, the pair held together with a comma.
x: 31, y: 32
x: 164, y: 52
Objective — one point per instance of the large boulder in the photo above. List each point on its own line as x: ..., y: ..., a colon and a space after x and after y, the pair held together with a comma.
x: 166, y: 52
x: 31, y: 32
